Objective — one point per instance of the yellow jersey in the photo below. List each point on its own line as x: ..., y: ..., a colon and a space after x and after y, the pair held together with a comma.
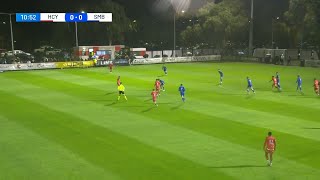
x: 121, y: 87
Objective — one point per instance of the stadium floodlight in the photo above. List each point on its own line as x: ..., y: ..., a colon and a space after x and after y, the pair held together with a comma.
x: 251, y: 30
x: 174, y: 32
x: 76, y: 29
x: 11, y: 31
x: 272, y: 32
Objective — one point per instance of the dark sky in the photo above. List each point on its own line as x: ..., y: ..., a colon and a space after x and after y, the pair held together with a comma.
x: 14, y: 6
x: 135, y: 9
x: 33, y: 33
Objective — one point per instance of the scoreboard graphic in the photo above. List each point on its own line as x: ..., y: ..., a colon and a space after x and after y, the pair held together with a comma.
x: 63, y: 17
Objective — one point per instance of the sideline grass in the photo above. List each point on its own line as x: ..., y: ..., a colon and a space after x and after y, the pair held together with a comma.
x: 67, y: 124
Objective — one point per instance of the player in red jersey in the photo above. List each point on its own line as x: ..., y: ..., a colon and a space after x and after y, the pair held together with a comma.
x: 275, y: 82
x: 158, y: 86
x: 316, y: 86
x: 111, y: 67
x: 269, y: 147
x: 154, y: 95
x: 118, y: 81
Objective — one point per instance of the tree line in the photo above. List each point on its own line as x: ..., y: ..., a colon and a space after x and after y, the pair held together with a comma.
x: 226, y: 24
x: 223, y: 24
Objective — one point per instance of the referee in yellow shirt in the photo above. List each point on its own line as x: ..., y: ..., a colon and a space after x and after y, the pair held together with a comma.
x: 121, y: 89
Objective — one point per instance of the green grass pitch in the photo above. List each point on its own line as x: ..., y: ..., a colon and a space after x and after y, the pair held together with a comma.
x: 67, y: 124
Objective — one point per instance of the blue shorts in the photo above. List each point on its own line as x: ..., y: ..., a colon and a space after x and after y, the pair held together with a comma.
x: 182, y: 94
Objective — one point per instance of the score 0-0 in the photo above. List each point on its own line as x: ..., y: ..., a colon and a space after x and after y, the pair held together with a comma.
x: 76, y: 17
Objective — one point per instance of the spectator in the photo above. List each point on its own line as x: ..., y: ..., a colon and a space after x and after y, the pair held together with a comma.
x: 282, y: 59
x: 289, y: 61
x: 302, y: 62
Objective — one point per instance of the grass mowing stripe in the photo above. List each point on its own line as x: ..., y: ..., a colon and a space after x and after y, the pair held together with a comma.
x: 292, y: 143
x: 121, y: 155
x: 245, y: 115
x: 26, y: 155
x: 191, y: 145
x: 274, y: 103
x: 284, y: 124
x: 213, y: 115
x: 275, y: 107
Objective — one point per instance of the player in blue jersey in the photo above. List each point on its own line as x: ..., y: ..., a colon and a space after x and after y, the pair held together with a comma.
x: 278, y: 80
x: 250, y: 87
x: 299, y: 83
x: 182, y: 91
x: 164, y: 68
x: 162, y: 84
x: 221, y: 76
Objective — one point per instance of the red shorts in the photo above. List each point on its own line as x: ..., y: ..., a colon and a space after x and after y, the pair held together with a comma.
x: 154, y: 99
x: 316, y: 88
x: 157, y: 88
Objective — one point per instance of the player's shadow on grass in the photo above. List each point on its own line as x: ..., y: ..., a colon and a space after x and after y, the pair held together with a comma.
x: 177, y: 106
x: 302, y: 96
x: 276, y: 91
x: 111, y: 104
x: 318, y: 128
x: 150, y: 99
x: 130, y: 106
x: 161, y: 75
x: 249, y: 96
x: 100, y: 100
x: 296, y: 95
x: 147, y: 110
x: 109, y: 93
x: 239, y: 166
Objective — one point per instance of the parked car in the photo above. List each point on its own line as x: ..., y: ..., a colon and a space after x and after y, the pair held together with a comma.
x: 53, y: 51
x: 43, y: 49
x: 189, y: 53
x: 146, y: 55
x: 8, y: 59
x: 2, y: 52
x: 241, y: 53
x: 24, y: 57
x: 17, y: 52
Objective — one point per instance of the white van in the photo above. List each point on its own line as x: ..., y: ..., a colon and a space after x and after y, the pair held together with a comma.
x: 18, y: 52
